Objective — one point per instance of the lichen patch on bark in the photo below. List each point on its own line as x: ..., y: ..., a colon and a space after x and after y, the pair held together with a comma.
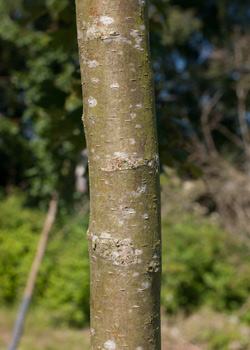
x: 154, y: 265
x: 129, y: 162
x: 110, y: 345
x: 119, y: 252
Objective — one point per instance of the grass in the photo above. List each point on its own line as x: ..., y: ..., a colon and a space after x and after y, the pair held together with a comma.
x: 39, y: 334
x: 203, y: 330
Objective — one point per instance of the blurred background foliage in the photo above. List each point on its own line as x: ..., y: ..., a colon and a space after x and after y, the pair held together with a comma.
x: 200, y: 57
x: 201, y: 60
x: 202, y: 265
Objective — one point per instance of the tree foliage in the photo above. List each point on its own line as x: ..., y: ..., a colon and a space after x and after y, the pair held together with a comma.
x: 41, y: 108
x: 194, y: 46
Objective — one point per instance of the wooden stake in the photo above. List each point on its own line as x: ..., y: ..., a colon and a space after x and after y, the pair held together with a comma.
x: 51, y: 215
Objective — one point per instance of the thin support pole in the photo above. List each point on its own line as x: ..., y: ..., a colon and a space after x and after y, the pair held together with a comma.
x: 30, y: 285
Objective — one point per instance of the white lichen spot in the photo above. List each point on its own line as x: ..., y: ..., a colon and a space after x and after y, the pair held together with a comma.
x: 133, y: 115
x: 93, y: 64
x: 106, y: 20
x: 129, y: 42
x: 105, y: 235
x: 143, y: 27
x: 134, y: 32
x: 132, y: 141
x: 145, y: 216
x: 92, y: 102
x: 138, y: 39
x: 120, y: 223
x: 130, y: 310
x: 120, y: 154
x: 139, y: 348
x: 128, y: 212
x: 92, y: 150
x: 106, y: 182
x: 139, y: 106
x: 91, y: 31
x: 142, y: 3
x: 157, y: 161
x: 135, y: 274
x: 79, y: 34
x: 136, y: 306
x: 110, y: 345
x: 115, y: 86
x: 95, y: 80
x: 138, y: 47
x: 138, y: 251
x: 146, y: 285
x: 139, y: 191
x: 133, y: 69
x: 155, y: 256
x: 138, y: 126
x: 115, y: 254
x: 92, y: 331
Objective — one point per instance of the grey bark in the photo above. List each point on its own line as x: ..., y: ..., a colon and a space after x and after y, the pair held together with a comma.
x: 119, y: 120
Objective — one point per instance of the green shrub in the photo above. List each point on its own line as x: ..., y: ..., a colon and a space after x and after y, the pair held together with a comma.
x: 67, y: 291
x: 63, y: 280
x: 19, y: 234
x: 230, y: 336
x: 202, y: 264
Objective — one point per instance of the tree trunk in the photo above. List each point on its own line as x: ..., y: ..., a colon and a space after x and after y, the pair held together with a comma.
x: 119, y: 120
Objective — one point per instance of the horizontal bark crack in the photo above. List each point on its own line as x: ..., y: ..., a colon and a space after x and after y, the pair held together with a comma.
x: 130, y: 162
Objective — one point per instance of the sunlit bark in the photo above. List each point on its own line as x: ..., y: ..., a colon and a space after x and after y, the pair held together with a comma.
x: 119, y: 120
